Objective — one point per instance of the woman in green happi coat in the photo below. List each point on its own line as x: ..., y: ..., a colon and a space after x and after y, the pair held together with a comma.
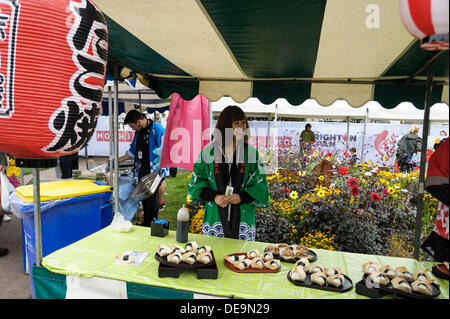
x: 231, y: 216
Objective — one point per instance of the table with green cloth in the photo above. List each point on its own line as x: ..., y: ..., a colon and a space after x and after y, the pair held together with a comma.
x: 94, y: 256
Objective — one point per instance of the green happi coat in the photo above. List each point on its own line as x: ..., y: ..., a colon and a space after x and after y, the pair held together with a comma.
x: 251, y: 179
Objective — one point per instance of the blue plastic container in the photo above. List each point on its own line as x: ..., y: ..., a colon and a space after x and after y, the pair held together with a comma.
x: 63, y: 222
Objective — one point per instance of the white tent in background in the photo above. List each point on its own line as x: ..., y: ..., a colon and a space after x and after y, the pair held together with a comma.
x: 340, y: 109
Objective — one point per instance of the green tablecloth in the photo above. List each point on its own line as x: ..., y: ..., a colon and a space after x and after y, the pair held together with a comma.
x: 94, y: 256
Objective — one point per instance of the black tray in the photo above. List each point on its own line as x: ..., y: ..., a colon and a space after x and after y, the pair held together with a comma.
x: 182, y: 264
x: 346, y: 286
x: 436, y: 291
x: 209, y: 272
x: 295, y: 259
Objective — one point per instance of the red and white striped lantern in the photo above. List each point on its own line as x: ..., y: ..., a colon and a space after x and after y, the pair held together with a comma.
x: 427, y: 20
x: 53, y: 56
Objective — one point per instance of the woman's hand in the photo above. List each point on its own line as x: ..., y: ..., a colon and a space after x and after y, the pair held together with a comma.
x: 234, y: 199
x: 221, y: 200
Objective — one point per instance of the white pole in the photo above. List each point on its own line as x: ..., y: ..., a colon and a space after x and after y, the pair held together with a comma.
x: 111, y: 135
x: 116, y: 139
x: 37, y: 217
x: 348, y: 134
x: 364, y: 135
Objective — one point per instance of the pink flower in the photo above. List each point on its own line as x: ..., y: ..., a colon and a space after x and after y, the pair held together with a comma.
x: 385, y: 191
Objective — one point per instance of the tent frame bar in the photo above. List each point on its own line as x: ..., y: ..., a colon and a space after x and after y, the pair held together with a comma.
x: 425, y: 66
x: 399, y: 82
x: 423, y: 155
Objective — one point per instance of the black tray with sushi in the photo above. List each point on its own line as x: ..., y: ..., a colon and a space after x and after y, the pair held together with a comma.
x: 436, y: 291
x: 312, y: 256
x: 184, y: 265
x: 346, y: 286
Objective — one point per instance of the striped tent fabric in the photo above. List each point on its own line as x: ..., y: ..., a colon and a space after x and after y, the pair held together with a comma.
x: 353, y: 50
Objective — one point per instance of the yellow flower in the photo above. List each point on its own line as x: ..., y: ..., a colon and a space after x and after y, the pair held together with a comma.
x: 321, y: 178
x: 293, y: 195
x: 321, y: 193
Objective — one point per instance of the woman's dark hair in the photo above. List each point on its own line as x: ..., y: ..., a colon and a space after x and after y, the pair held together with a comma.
x: 307, y: 125
x: 230, y: 114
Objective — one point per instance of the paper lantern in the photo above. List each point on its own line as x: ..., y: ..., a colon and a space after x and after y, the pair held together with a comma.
x: 53, y: 56
x: 427, y: 20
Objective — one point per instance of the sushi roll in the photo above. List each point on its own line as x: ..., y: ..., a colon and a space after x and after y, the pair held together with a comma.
x: 298, y: 274
x: 379, y: 278
x: 388, y: 271
x: 174, y: 258
x: 336, y: 280
x: 177, y: 249
x: 422, y: 275
x: 303, y: 263
x: 254, y: 253
x: 267, y: 256
x: 233, y: 258
x: 404, y: 272
x: 300, y: 251
x: 317, y: 268
x: 191, y: 246
x: 163, y: 250
x: 332, y: 271
x: 319, y: 278
x: 272, y: 264
x: 203, y: 249
x: 287, y: 253
x: 204, y: 257
x: 189, y: 257
x: 125, y: 259
x: 257, y: 263
x: 370, y: 267
x: 243, y: 264
x: 423, y: 287
x: 401, y: 284
x: 274, y: 249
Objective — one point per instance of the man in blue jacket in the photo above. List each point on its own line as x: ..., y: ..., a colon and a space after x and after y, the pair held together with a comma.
x: 147, y: 138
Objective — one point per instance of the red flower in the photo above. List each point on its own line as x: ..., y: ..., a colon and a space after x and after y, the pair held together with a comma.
x: 356, y: 211
x: 329, y: 154
x: 355, y: 191
x: 375, y: 197
x: 286, y: 190
x: 385, y: 191
x: 346, y: 154
x: 352, y: 182
x: 343, y: 170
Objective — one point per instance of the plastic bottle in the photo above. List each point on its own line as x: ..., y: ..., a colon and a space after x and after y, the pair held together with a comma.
x: 182, y: 225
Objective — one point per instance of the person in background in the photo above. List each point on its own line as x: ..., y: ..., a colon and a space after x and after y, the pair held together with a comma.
x: 230, y: 178
x: 3, y: 164
x: 440, y: 140
x: 437, y: 184
x: 408, y: 145
x: 307, y: 136
x: 353, y: 157
x: 148, y: 137
x: 67, y: 163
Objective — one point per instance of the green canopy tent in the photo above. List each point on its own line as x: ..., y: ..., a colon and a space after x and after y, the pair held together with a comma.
x: 354, y: 50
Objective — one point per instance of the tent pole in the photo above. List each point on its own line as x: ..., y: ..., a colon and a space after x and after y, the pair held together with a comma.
x: 364, y: 136
x: 111, y: 134
x: 116, y: 138
x: 423, y: 155
x: 37, y: 216
x: 348, y: 133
